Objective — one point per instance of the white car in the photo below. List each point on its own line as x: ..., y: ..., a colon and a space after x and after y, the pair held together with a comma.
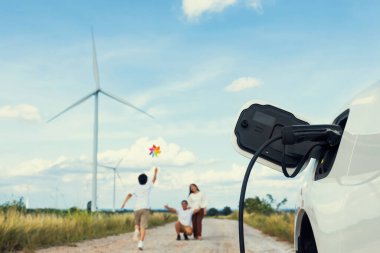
x: 338, y: 209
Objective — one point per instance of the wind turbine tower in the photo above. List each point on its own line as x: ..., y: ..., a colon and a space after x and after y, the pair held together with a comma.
x: 114, y: 169
x: 96, y: 93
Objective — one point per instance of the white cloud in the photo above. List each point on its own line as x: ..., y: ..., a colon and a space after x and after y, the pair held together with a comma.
x: 363, y: 100
x: 242, y: 84
x: 179, y: 179
x: 256, y: 5
x: 30, y: 167
x: 22, y: 111
x: 68, y: 178
x: 137, y: 156
x: 37, y: 166
x: 214, y: 180
x: 195, y: 8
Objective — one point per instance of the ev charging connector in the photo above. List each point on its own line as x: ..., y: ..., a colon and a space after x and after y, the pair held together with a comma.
x: 322, y: 134
x: 259, y: 130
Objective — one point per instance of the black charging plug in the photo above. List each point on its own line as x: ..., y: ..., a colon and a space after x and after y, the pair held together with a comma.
x: 323, y: 134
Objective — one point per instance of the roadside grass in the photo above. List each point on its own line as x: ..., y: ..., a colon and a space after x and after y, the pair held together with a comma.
x: 280, y: 225
x: 20, y: 231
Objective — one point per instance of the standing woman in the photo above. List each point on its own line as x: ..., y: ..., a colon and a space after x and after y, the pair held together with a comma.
x: 197, y: 200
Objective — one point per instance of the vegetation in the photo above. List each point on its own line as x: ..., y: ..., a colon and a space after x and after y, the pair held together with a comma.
x: 226, y: 210
x: 256, y: 205
x: 18, y: 205
x: 280, y: 225
x: 260, y: 214
x: 20, y: 230
x: 212, y: 212
x: 215, y: 212
x: 263, y: 206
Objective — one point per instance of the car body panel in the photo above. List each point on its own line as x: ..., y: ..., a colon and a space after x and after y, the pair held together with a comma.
x: 344, y: 207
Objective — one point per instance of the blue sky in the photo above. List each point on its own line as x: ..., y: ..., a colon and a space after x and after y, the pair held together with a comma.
x: 192, y: 64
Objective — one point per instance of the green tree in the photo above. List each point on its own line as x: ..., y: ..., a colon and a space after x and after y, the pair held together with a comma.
x: 258, y: 205
x: 283, y: 202
x: 264, y: 206
x: 17, y: 205
x: 212, y: 212
x: 226, y: 210
x: 272, y: 201
x: 270, y: 198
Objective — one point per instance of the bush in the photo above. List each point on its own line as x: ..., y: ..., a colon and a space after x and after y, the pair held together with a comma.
x: 212, y: 212
x: 226, y: 210
x: 263, y: 206
x: 258, y: 205
x: 15, y: 205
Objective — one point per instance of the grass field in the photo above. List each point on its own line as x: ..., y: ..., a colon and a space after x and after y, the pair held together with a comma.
x: 280, y: 225
x: 20, y: 231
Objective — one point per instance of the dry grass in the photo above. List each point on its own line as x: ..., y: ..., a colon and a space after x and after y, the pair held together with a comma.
x: 280, y: 225
x: 31, y: 231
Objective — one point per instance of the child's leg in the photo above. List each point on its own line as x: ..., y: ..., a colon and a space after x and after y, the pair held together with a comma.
x: 142, y: 234
x: 144, y: 223
x: 136, y: 234
x: 137, y: 219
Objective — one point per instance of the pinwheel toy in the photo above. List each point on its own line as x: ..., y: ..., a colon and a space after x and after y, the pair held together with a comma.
x: 154, y: 151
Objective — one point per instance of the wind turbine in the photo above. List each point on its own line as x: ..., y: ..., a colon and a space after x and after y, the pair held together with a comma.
x: 96, y: 122
x: 114, y: 169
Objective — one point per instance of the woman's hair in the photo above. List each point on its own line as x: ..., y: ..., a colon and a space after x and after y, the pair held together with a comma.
x: 196, y: 186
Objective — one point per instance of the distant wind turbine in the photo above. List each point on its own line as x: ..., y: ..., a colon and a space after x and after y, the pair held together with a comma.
x: 115, y: 172
x: 96, y: 94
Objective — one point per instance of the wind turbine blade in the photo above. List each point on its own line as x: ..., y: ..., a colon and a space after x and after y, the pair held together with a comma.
x: 72, y: 106
x: 117, y: 165
x: 95, y: 61
x: 105, y: 166
x: 121, y: 181
x: 126, y: 103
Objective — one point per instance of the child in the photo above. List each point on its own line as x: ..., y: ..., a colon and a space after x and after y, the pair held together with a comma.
x: 142, y: 206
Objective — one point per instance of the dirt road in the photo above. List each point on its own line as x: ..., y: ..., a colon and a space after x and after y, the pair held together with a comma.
x: 218, y: 236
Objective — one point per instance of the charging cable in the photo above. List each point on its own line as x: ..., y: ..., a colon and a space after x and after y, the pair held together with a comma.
x: 244, y: 187
x: 322, y: 135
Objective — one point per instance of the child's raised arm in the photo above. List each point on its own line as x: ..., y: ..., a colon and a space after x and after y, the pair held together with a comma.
x: 155, y: 175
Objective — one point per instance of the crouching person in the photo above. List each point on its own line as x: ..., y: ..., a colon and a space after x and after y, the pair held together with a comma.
x: 183, y: 224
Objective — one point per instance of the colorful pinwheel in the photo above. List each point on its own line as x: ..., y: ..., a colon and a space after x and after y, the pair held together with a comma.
x: 154, y: 151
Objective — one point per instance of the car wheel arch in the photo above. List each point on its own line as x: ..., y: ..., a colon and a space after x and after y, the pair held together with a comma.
x: 304, y: 240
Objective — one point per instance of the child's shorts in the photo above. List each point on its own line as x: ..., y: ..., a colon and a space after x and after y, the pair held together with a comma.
x: 142, y: 217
